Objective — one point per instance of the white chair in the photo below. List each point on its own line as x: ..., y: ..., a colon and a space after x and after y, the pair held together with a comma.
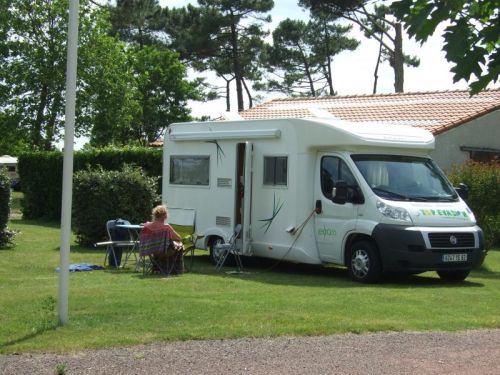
x: 229, y: 248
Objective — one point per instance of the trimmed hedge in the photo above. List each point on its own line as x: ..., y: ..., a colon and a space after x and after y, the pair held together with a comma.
x: 483, y: 181
x: 41, y: 174
x: 100, y: 195
x: 4, y: 198
x: 6, y: 235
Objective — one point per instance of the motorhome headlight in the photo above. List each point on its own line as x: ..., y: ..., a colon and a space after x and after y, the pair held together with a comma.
x: 395, y: 213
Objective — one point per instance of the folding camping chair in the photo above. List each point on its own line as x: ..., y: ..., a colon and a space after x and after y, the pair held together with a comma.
x: 165, y: 256
x: 229, y: 248
x: 186, y: 217
x: 118, y: 240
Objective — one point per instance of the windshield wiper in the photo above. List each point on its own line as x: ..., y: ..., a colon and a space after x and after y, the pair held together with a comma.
x: 449, y: 198
x: 391, y: 194
x: 421, y: 199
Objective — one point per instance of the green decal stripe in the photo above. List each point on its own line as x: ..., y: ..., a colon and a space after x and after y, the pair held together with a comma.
x: 327, y: 232
x: 444, y: 213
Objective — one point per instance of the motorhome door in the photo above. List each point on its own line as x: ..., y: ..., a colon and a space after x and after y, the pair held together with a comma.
x: 335, y: 221
x: 243, y: 213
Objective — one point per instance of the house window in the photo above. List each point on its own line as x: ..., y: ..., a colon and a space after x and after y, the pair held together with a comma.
x: 482, y: 155
x: 11, y: 169
x: 275, y: 170
x: 485, y: 157
x: 189, y: 170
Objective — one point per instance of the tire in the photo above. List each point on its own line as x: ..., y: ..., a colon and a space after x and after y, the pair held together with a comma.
x: 215, y: 256
x: 453, y: 275
x: 364, y: 263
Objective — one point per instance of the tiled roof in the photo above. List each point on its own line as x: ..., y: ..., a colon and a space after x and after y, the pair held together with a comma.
x: 435, y: 111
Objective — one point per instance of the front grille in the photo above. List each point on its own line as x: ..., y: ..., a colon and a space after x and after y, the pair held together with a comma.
x: 452, y: 240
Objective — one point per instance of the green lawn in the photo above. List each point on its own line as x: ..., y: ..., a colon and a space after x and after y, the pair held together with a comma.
x: 15, y: 209
x: 113, y: 308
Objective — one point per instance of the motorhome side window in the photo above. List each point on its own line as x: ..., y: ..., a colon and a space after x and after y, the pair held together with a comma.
x: 189, y: 170
x: 334, y: 169
x: 275, y: 170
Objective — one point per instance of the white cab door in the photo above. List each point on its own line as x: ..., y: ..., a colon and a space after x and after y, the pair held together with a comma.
x: 335, y: 221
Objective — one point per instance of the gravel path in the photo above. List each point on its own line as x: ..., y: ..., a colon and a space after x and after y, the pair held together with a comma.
x: 468, y: 352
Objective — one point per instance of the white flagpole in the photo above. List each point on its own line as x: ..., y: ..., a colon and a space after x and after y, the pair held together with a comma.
x: 69, y: 134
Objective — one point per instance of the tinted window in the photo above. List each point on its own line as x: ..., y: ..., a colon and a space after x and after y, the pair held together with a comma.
x: 189, y: 170
x: 333, y: 170
x: 275, y: 170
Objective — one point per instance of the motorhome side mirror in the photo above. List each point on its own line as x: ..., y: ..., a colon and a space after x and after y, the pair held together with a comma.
x: 339, y: 192
x: 463, y: 191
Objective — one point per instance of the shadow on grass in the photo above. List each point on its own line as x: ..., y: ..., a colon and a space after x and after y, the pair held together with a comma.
x: 485, y: 273
x: 28, y: 336
x: 44, y: 320
x: 283, y: 273
x: 7, y: 248
x: 79, y: 249
x: 87, y: 250
x: 38, y: 223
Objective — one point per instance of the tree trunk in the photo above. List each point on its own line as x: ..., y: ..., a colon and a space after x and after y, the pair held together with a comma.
x: 36, y: 131
x: 375, y: 73
x: 329, y: 76
x: 329, y: 62
x: 311, y: 82
x: 309, y: 76
x: 51, y: 125
x: 398, y: 60
x: 250, y: 99
x: 141, y: 36
x: 228, y: 99
x: 236, y: 65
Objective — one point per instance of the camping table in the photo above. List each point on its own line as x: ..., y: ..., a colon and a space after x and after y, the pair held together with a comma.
x: 134, y: 230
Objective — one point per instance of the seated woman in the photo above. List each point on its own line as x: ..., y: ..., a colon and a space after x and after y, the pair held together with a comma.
x: 157, y: 240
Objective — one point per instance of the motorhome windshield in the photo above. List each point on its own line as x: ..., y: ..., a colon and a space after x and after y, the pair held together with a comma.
x: 405, y: 178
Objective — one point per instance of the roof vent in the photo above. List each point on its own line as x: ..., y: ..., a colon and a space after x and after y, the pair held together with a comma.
x: 231, y: 116
x: 321, y: 113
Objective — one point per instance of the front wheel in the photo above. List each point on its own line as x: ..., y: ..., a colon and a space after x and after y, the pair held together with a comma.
x: 453, y: 275
x: 364, y: 263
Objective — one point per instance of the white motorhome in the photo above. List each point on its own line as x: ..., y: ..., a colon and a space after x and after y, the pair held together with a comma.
x: 10, y: 163
x: 322, y: 191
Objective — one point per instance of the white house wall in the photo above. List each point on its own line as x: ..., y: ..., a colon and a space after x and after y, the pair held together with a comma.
x: 483, y: 132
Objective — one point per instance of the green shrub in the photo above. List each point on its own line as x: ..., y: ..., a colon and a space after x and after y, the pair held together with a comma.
x: 483, y: 181
x: 100, y: 195
x: 6, y: 235
x: 41, y: 182
x: 41, y: 174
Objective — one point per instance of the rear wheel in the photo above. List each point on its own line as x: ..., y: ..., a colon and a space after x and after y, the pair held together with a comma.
x: 453, y: 275
x: 214, y: 253
x: 364, y: 263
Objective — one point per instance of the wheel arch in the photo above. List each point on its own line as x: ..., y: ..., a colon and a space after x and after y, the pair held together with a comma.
x: 212, y: 234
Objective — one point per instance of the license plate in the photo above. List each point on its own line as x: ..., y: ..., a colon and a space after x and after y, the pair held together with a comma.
x: 454, y: 257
